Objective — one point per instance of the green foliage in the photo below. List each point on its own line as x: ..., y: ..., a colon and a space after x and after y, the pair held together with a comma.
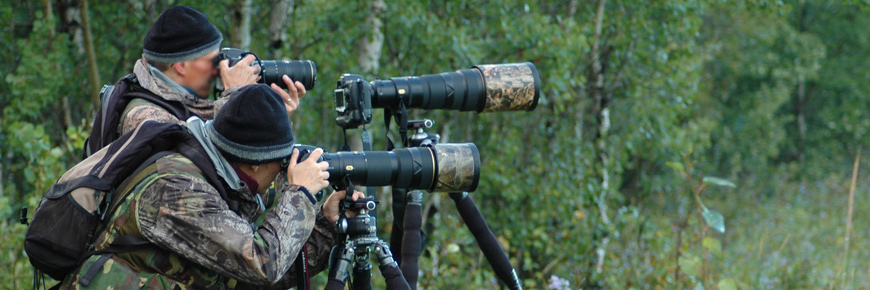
x: 767, y: 93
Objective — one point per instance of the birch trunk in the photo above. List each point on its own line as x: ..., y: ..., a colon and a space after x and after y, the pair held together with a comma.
x: 49, y: 17
x: 281, y: 16
x: 799, y: 116
x: 602, y: 116
x: 240, y: 35
x: 371, y: 45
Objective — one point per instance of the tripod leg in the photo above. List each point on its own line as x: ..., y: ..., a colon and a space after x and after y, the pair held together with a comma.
x: 338, y: 271
x: 411, y: 240
x: 398, y: 219
x: 493, y: 252
x: 362, y: 270
x: 389, y: 268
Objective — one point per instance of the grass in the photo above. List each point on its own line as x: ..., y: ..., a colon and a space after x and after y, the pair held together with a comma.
x: 793, y: 239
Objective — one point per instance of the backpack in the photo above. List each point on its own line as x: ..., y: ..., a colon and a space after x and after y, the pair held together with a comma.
x: 74, y: 209
x: 113, y: 101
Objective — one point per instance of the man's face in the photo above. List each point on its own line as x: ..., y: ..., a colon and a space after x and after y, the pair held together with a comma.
x: 200, y: 73
x: 269, y: 173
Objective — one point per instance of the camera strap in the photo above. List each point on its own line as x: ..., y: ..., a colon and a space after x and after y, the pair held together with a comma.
x: 400, y: 113
x: 302, y: 277
x: 367, y: 146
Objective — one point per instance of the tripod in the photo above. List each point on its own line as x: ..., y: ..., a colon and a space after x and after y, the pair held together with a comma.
x: 407, y: 224
x: 361, y: 234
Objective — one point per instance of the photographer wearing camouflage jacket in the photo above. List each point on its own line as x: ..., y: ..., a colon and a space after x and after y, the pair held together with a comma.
x: 178, y: 64
x: 203, y: 240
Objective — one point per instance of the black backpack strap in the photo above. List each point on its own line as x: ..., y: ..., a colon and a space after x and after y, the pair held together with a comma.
x: 176, y: 108
x: 86, y: 280
x: 114, y: 100
x: 122, y: 244
x: 125, y: 243
x: 190, y: 148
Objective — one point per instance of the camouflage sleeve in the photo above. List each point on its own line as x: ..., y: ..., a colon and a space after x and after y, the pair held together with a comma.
x: 318, y: 247
x: 139, y: 111
x: 186, y: 215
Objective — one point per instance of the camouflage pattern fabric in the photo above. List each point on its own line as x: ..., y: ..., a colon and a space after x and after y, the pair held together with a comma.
x: 199, y: 242
x: 510, y: 87
x: 138, y: 112
x: 456, y: 167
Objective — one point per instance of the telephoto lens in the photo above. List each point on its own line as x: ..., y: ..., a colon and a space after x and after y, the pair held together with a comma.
x: 446, y: 167
x: 483, y: 88
x: 271, y: 71
x: 304, y: 71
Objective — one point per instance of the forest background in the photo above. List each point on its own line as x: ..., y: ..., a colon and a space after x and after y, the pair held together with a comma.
x: 677, y: 144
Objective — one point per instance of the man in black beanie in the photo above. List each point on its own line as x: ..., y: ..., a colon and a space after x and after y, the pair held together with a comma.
x: 205, y: 240
x: 178, y: 66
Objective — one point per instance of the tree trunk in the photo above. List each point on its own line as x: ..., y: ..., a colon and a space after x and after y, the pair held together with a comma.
x: 49, y: 18
x: 371, y: 45
x: 240, y: 36
x: 281, y: 16
x: 800, y: 118
x: 595, y: 90
x: 93, y: 73
x: 72, y: 20
x: 147, y: 9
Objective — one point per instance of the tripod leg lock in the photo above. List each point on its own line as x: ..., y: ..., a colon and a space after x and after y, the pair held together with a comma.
x: 385, y: 257
x: 415, y: 197
x: 339, y: 270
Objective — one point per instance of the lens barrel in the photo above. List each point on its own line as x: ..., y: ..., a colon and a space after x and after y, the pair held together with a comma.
x: 442, y: 167
x: 484, y: 88
x: 304, y: 71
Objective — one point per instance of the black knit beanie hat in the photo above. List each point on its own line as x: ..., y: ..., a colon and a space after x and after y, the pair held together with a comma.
x: 253, y: 126
x: 180, y: 34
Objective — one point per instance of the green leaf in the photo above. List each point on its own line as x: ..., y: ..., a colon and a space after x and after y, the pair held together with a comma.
x: 689, y: 265
x: 700, y: 286
x: 676, y: 166
x: 727, y: 284
x: 718, y: 181
x: 713, y: 245
x: 56, y: 152
x: 714, y: 219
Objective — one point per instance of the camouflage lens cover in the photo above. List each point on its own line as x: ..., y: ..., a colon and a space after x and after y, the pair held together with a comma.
x: 510, y: 87
x: 458, y: 167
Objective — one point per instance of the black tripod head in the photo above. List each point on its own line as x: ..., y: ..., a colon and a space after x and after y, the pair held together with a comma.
x: 420, y: 138
x: 362, y: 225
x: 361, y: 232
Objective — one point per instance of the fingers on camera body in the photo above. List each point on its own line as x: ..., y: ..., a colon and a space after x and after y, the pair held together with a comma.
x: 321, y: 179
x: 242, y: 72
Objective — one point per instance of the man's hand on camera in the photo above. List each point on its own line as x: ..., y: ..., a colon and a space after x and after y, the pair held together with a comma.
x: 308, y: 173
x: 330, y: 207
x: 240, y: 74
x: 291, y: 99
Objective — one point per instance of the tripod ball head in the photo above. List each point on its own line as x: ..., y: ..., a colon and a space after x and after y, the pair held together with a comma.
x: 361, y: 225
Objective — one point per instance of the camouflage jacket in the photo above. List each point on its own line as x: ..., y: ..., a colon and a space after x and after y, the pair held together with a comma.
x: 139, y: 111
x: 199, y: 243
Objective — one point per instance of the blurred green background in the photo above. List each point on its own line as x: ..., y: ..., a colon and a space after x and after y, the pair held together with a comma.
x: 676, y: 145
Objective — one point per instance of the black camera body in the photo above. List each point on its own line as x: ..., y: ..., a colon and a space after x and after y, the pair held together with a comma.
x: 353, y: 101
x: 271, y: 71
